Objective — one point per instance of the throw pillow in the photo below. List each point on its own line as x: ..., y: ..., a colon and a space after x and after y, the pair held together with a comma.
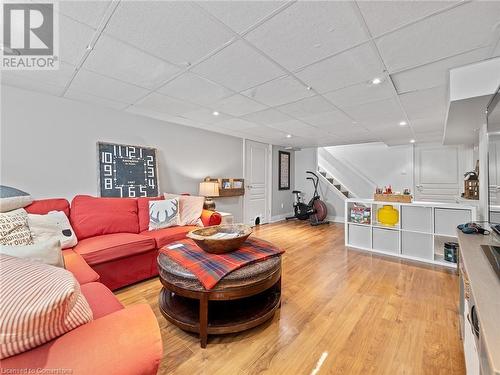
x: 48, y: 252
x: 191, y: 208
x: 48, y: 303
x: 164, y: 213
x: 12, y: 199
x: 54, y: 224
x: 143, y: 211
x: 14, y: 228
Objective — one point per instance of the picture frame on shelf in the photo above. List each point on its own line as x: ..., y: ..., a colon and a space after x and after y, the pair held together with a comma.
x: 283, y: 170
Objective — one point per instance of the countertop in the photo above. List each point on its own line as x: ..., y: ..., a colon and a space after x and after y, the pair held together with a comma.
x: 415, y: 203
x: 485, y: 287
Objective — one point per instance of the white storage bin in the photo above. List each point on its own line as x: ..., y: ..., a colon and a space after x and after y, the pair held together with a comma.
x: 418, y: 245
x: 417, y: 219
x: 447, y: 219
x: 386, y: 240
x: 359, y: 236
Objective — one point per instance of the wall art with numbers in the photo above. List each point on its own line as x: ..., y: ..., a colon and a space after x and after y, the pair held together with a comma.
x: 127, y: 171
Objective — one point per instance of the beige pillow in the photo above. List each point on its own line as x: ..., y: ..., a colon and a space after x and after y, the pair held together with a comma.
x: 54, y: 224
x: 48, y: 303
x: 14, y: 228
x: 164, y: 213
x: 191, y: 208
x: 48, y: 252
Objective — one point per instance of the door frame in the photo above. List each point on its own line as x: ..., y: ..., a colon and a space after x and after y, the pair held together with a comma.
x: 269, y: 200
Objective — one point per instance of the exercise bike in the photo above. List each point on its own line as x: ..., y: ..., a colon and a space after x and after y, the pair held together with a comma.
x: 315, y: 211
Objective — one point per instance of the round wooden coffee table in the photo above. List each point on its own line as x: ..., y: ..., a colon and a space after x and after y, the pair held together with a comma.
x: 243, y: 299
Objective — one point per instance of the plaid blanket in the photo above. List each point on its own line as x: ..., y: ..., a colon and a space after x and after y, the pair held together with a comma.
x: 208, y: 268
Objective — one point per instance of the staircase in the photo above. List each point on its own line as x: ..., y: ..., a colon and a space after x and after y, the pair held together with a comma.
x: 335, y: 184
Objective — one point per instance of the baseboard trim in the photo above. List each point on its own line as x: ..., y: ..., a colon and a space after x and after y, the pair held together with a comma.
x: 335, y: 219
x: 275, y: 219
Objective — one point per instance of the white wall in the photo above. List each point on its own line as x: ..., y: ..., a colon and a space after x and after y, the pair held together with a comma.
x: 376, y: 163
x: 48, y: 147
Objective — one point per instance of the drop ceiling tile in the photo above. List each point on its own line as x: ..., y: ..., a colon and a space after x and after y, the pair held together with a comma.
x: 383, y: 16
x: 238, y: 67
x: 30, y: 85
x: 295, y: 127
x: 425, y: 103
x: 74, y: 37
x: 309, y: 31
x: 116, y: 59
x: 445, y: 34
x: 267, y: 117
x: 92, y: 99
x: 265, y: 132
x: 385, y: 112
x: 357, y: 65
x: 147, y: 112
x: 430, y: 124
x: 195, y: 89
x: 237, y: 105
x: 240, y: 15
x: 177, y: 31
x: 329, y: 120
x: 360, y: 93
x: 237, y: 124
x: 88, y: 12
x: 279, y: 91
x: 436, y: 73
x: 307, y: 107
x: 59, y: 77
x: 99, y: 85
x: 206, y: 116
x: 164, y: 104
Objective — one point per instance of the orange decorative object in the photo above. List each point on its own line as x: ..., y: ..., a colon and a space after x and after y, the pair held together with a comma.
x: 388, y: 215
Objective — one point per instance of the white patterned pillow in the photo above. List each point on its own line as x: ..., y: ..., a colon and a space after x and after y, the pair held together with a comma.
x: 48, y: 303
x: 53, y: 225
x: 164, y: 213
x: 14, y: 230
x: 48, y: 252
x: 191, y: 208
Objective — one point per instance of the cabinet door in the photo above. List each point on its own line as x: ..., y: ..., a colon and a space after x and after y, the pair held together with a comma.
x: 470, y: 351
x: 417, y: 219
x: 418, y: 245
x: 359, y: 236
x: 386, y: 240
x: 447, y: 219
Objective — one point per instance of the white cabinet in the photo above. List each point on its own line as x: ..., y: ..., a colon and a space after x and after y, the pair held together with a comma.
x: 420, y: 234
x: 386, y: 240
x: 447, y: 219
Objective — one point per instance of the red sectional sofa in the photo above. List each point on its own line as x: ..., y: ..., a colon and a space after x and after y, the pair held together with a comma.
x: 116, y: 249
x: 113, y: 235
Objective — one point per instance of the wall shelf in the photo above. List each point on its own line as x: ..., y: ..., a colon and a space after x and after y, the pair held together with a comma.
x: 420, y: 234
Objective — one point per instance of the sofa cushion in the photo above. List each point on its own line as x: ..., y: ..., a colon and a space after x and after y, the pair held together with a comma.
x: 165, y: 236
x: 91, y: 216
x: 100, y: 249
x: 143, y: 211
x: 34, y: 320
x: 44, y: 206
x: 101, y: 300
x: 78, y: 267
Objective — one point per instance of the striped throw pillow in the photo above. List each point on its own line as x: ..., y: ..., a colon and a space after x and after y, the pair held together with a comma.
x: 39, y: 303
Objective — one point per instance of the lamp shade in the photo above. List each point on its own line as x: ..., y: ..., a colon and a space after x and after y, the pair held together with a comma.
x: 209, y: 189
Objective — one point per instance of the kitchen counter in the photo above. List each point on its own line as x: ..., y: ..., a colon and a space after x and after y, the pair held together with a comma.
x: 485, y: 288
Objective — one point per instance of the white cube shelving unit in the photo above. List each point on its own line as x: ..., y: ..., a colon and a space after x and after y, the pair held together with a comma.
x: 420, y: 234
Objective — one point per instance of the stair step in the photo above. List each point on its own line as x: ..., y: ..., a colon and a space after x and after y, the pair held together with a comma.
x: 346, y: 193
x: 330, y: 180
x: 338, y: 186
x: 322, y: 173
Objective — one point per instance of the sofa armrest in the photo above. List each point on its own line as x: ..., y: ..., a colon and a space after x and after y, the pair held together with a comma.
x: 210, y: 218
x: 127, y: 342
x: 79, y: 268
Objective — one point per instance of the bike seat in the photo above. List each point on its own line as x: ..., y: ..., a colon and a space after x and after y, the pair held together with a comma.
x: 296, y: 192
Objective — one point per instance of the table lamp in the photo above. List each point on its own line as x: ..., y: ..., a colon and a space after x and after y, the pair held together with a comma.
x: 209, y: 189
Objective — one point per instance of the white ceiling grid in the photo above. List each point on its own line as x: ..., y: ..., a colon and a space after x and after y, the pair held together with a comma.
x: 272, y: 68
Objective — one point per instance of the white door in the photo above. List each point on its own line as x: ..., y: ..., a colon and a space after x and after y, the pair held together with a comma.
x: 437, y: 173
x: 257, y: 181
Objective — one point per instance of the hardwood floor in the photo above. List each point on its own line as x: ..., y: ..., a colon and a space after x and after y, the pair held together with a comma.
x: 343, y: 312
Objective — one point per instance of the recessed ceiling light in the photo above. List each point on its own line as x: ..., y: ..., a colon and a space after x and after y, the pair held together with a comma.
x: 403, y: 123
x: 289, y: 136
x: 215, y: 113
x: 308, y: 88
x: 376, y: 81
x: 412, y: 141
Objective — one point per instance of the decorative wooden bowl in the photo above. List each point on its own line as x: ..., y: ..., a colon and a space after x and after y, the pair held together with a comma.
x: 220, y: 239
